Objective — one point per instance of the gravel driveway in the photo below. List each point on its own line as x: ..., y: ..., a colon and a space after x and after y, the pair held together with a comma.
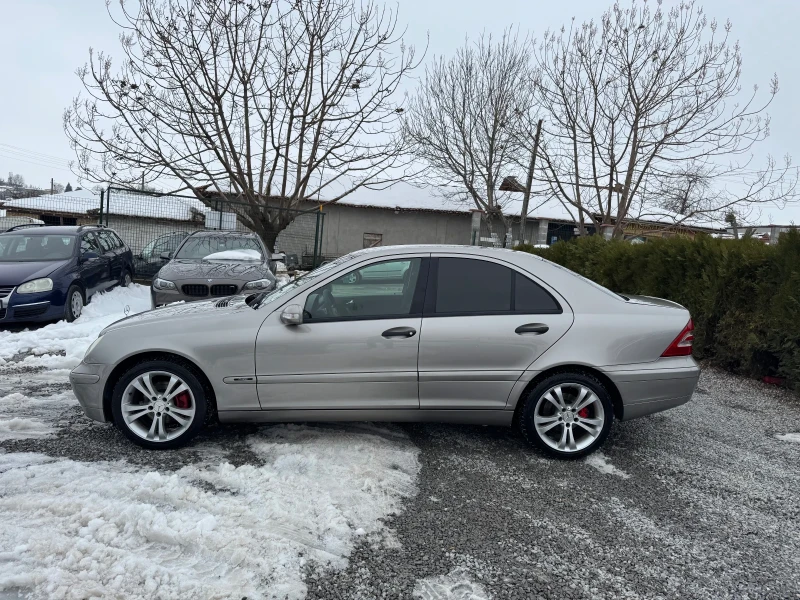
x: 702, y: 501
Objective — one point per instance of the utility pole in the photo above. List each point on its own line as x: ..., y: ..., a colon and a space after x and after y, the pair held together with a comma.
x: 142, y: 180
x: 523, y: 218
x: 52, y: 187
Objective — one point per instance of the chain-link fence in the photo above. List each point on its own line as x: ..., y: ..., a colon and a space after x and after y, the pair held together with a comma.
x: 154, y: 224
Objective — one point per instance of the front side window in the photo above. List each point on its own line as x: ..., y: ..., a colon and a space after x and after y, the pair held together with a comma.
x: 89, y: 244
x: 467, y: 286
x: 378, y: 291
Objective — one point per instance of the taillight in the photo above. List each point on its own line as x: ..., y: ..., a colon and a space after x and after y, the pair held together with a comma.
x: 682, y: 345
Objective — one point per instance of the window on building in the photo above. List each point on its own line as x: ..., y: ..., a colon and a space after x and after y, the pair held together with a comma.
x: 372, y: 240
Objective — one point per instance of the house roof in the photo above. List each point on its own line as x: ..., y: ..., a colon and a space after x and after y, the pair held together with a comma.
x: 82, y: 202
x: 404, y: 196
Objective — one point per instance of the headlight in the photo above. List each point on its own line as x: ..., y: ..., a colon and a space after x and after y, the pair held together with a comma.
x: 37, y: 285
x: 92, y: 346
x: 259, y: 284
x: 163, y: 284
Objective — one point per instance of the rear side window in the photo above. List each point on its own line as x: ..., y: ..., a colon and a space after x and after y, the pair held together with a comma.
x: 105, y: 241
x: 471, y: 286
x: 118, y: 243
x: 89, y: 244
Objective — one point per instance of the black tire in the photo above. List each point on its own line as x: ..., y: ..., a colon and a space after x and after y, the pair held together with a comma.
x: 126, y: 279
x: 70, y: 312
x: 203, y: 407
x: 528, y: 428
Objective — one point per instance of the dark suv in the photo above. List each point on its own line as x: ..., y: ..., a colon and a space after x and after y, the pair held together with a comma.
x: 50, y: 273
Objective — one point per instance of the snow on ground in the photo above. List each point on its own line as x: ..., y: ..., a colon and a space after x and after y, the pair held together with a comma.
x: 62, y: 345
x: 600, y: 462
x: 19, y: 428
x: 208, y: 530
x: 300, y: 498
x: 456, y: 585
x: 789, y: 437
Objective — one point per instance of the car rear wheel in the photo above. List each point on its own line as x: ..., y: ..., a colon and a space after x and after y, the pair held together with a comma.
x: 159, y: 404
x: 567, y: 415
x: 74, y: 304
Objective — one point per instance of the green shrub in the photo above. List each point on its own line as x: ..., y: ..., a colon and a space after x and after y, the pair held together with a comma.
x: 744, y: 296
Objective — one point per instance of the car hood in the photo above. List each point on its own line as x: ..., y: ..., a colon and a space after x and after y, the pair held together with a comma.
x: 178, y: 270
x: 180, y: 311
x: 15, y: 273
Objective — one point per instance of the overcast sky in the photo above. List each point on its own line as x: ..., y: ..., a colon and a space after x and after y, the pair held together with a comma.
x: 44, y: 41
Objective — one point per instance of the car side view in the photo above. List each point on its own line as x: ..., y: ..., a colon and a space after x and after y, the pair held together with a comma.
x: 408, y: 333
x: 51, y: 272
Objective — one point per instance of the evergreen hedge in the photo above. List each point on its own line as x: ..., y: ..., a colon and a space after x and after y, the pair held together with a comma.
x: 744, y: 296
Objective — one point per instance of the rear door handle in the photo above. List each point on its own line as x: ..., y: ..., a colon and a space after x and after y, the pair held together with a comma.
x: 534, y: 328
x: 400, y: 332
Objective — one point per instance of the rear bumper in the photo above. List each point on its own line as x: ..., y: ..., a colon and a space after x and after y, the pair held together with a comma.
x: 651, y: 388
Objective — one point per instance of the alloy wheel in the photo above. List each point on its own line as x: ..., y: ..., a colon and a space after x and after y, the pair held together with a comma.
x: 158, y: 406
x: 569, y: 417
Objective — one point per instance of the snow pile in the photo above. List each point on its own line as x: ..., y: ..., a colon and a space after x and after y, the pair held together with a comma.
x: 246, y: 255
x: 208, y: 530
x: 25, y: 416
x: 456, y: 585
x: 62, y: 345
x: 600, y: 462
x: 789, y: 437
x: 18, y: 428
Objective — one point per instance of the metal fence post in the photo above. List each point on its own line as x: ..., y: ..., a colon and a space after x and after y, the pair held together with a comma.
x: 316, y: 243
x: 321, y: 229
x: 108, y: 204
x: 102, y: 196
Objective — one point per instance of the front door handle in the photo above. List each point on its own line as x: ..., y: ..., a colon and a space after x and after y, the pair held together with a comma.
x: 534, y: 328
x: 401, y: 332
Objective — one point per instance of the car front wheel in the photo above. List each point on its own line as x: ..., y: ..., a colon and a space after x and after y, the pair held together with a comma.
x: 567, y: 415
x: 74, y: 305
x: 159, y: 404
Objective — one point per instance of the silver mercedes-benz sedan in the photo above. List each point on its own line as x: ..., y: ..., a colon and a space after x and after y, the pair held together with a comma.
x: 445, y: 333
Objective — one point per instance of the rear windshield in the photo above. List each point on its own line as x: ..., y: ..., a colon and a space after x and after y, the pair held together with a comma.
x: 202, y: 246
x: 29, y: 248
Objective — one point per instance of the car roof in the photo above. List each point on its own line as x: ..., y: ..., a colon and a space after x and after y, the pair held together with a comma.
x: 57, y: 229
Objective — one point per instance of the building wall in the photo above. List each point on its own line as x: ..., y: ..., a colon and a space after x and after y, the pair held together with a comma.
x: 345, y: 227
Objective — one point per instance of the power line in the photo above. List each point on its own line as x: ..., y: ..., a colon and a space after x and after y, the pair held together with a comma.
x: 32, y: 153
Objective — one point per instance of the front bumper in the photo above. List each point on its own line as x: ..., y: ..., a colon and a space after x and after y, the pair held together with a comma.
x: 651, y: 388
x: 24, y: 308
x: 88, y: 382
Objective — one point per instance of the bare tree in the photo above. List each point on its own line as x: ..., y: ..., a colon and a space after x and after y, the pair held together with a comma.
x: 643, y: 95
x: 269, y: 103
x: 462, y: 121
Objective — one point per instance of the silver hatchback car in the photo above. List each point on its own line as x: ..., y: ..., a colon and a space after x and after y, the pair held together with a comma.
x: 407, y: 333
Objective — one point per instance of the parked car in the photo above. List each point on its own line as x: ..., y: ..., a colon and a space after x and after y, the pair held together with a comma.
x: 471, y: 335
x: 50, y: 273
x: 210, y: 264
x: 149, y: 260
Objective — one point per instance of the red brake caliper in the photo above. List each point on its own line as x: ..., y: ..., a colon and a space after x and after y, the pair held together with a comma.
x: 584, y: 412
x: 182, y: 400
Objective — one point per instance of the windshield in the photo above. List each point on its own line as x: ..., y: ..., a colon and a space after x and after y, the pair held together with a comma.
x: 269, y: 297
x: 199, y: 247
x: 21, y: 247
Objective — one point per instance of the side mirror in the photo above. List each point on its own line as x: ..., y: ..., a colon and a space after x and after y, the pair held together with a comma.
x: 166, y: 256
x: 292, y: 315
x: 87, y: 256
x: 279, y: 256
